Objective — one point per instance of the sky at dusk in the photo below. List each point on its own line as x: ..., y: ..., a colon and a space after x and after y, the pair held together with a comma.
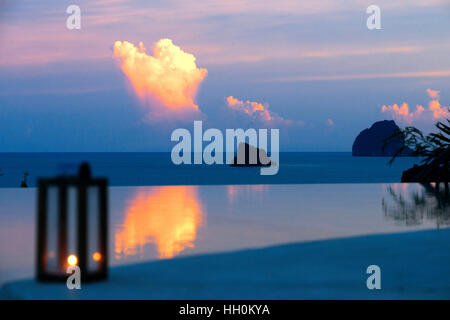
x: 136, y: 70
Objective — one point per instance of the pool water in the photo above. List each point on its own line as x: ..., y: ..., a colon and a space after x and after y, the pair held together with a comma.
x: 164, y: 222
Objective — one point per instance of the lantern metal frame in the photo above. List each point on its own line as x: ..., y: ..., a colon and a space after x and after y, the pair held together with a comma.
x: 63, y: 184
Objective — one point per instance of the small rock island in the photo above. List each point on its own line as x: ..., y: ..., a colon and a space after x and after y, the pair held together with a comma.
x: 243, y: 152
x: 370, y: 141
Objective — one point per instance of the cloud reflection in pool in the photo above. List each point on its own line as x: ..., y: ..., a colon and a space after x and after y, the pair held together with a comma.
x: 167, y: 216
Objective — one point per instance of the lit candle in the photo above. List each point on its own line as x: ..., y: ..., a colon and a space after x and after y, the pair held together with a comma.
x: 72, y: 260
x: 96, y: 256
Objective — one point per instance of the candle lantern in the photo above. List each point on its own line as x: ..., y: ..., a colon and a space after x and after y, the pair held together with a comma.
x: 72, y: 226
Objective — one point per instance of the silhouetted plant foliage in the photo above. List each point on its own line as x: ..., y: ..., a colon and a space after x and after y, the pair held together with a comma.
x: 430, y: 147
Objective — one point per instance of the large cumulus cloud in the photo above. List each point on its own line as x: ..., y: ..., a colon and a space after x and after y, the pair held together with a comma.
x: 167, y: 81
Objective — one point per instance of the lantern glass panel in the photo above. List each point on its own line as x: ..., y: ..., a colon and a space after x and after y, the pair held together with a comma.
x: 72, y: 231
x: 51, y: 254
x: 93, y: 256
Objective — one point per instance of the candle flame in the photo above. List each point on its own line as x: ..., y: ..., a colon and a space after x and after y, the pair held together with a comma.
x: 96, y: 256
x: 72, y: 260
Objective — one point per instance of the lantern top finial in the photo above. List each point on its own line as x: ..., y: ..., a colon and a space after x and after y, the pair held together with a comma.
x: 84, y: 171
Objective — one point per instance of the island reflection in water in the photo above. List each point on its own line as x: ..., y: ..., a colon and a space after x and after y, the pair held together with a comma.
x: 167, y: 216
x: 412, y: 204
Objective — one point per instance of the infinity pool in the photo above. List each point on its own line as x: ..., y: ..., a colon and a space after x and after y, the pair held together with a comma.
x: 163, y: 222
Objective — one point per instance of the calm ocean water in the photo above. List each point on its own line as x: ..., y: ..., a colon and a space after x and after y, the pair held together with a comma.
x: 139, y: 169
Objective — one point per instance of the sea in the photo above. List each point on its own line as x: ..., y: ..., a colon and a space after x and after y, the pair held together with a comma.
x: 156, y: 168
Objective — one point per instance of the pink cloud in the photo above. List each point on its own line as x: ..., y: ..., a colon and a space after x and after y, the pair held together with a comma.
x: 167, y: 80
x: 250, y: 107
x: 434, y: 94
x: 403, y: 113
x: 258, y: 111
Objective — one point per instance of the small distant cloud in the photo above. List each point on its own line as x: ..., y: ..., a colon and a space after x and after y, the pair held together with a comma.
x: 434, y: 94
x: 258, y: 111
x: 254, y: 109
x: 404, y: 114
